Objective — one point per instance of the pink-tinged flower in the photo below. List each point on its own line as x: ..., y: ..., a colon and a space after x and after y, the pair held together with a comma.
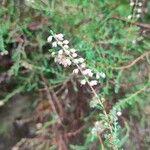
x: 66, y: 46
x: 66, y: 42
x: 84, y: 72
x: 74, y: 55
x: 67, y: 52
x: 76, y: 71
x: 61, y: 59
x: 87, y: 72
x: 59, y: 37
x: 93, y: 82
x: 68, y: 62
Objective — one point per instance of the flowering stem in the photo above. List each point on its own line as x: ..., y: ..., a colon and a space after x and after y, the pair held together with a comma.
x: 95, y: 94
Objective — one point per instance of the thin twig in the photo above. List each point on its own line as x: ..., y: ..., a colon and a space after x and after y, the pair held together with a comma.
x: 134, y: 62
x: 101, y: 142
x: 114, y: 147
x: 143, y: 25
x: 75, y: 132
x: 50, y: 97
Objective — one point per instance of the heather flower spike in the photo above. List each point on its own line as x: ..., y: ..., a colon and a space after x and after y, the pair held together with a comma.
x: 137, y: 9
x: 67, y: 57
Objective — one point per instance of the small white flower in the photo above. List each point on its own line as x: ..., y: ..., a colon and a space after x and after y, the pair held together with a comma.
x: 60, y: 52
x: 74, y: 55
x: 6, y: 52
x: 49, y: 39
x: 93, y: 83
x: 66, y: 42
x: 93, y: 131
x: 72, y: 50
x: 66, y: 46
x: 76, y: 71
x: 85, y: 72
x: 97, y: 75
x: 139, y: 10
x: 76, y: 61
x: 98, y: 124
x: 56, y: 59
x: 132, y: 4
x: 1, y: 103
x: 81, y: 60
x: 119, y: 113
x: 83, y: 65
x: 103, y: 99
x: 88, y: 70
x: 65, y: 62
x: 102, y: 74
x: 83, y: 82
x: 130, y: 16
x: 140, y: 38
x: 140, y: 4
x: 59, y: 43
x: 1, y: 53
x: 53, y: 54
x: 54, y: 44
x: 138, y: 16
x: 39, y: 125
x: 134, y: 42
x: 68, y: 61
x: 59, y: 36
x: 90, y: 74
x: 27, y: 65
x: 67, y: 51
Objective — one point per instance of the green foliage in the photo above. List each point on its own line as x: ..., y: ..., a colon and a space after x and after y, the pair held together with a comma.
x: 106, y: 43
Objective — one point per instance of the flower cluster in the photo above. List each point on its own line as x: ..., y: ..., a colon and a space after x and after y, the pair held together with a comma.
x: 67, y: 57
x: 98, y: 128
x: 137, y: 9
x: 4, y: 53
x: 96, y: 101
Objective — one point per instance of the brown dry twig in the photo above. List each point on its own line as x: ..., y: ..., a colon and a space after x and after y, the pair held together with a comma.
x: 74, y: 133
x: 46, y: 86
x: 143, y: 25
x: 134, y: 62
